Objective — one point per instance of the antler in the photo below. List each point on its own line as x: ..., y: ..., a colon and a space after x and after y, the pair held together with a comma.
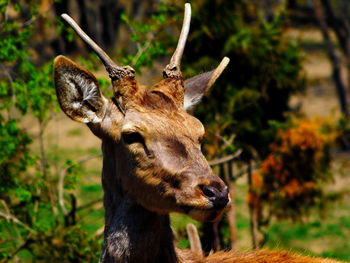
x: 114, y: 71
x: 173, y: 68
x: 217, y: 72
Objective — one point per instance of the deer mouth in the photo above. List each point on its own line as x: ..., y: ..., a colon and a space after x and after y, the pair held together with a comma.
x: 209, y: 213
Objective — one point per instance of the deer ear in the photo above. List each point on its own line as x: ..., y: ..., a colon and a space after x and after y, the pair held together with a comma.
x: 197, y: 86
x: 78, y: 93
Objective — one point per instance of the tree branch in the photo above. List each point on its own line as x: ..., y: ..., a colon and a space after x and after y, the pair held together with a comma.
x: 225, y: 159
x: 14, y: 219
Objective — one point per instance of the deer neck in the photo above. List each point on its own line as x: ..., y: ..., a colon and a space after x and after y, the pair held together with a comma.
x: 132, y: 233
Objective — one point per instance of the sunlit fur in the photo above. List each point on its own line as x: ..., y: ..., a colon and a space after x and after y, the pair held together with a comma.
x: 257, y: 256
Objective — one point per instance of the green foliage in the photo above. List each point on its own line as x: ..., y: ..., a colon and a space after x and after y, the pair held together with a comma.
x: 14, y: 154
x: 35, y: 83
x: 150, y: 38
x: 265, y: 70
x: 31, y: 219
x: 66, y: 244
x: 329, y: 235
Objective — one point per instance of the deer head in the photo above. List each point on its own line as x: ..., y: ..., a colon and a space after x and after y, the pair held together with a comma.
x: 160, y: 163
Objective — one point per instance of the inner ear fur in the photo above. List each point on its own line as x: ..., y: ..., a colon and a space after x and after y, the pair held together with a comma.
x: 78, y: 92
x: 195, y: 88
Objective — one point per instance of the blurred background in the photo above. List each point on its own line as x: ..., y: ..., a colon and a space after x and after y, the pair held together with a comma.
x: 277, y: 121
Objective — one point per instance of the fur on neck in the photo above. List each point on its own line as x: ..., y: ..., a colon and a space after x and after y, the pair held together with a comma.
x: 138, y: 235
x: 132, y: 233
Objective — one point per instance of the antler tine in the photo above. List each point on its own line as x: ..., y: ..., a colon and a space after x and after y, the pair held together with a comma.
x: 217, y: 72
x: 173, y: 68
x: 112, y: 68
x: 176, y: 58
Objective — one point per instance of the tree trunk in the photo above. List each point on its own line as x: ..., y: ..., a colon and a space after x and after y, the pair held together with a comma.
x: 252, y: 212
x: 231, y: 214
x: 340, y: 24
x: 334, y: 58
x: 344, y: 13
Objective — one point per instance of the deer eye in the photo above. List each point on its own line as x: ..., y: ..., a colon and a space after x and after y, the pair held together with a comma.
x: 132, y: 137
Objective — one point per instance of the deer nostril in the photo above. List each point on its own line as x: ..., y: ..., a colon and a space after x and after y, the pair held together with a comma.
x: 208, y: 191
x: 217, y: 196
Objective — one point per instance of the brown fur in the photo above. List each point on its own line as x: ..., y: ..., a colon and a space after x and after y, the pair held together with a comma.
x: 257, y: 256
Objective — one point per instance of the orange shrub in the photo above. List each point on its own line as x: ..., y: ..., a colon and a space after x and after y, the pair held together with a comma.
x: 290, y: 179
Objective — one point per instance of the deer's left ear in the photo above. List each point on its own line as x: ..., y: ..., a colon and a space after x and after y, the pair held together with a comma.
x: 78, y: 92
x: 197, y: 86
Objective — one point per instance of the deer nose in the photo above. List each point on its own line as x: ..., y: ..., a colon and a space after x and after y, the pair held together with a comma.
x: 217, y: 195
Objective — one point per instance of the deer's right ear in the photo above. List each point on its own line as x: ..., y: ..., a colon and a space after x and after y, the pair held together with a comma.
x: 78, y: 93
x: 197, y: 86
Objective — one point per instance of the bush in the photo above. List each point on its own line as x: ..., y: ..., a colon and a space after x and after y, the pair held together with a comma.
x: 30, y: 217
x: 291, y: 179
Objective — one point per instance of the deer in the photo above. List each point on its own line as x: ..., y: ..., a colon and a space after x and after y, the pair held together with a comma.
x: 152, y: 159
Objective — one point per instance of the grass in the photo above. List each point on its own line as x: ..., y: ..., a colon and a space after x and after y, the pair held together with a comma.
x: 74, y: 132
x: 326, y: 237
